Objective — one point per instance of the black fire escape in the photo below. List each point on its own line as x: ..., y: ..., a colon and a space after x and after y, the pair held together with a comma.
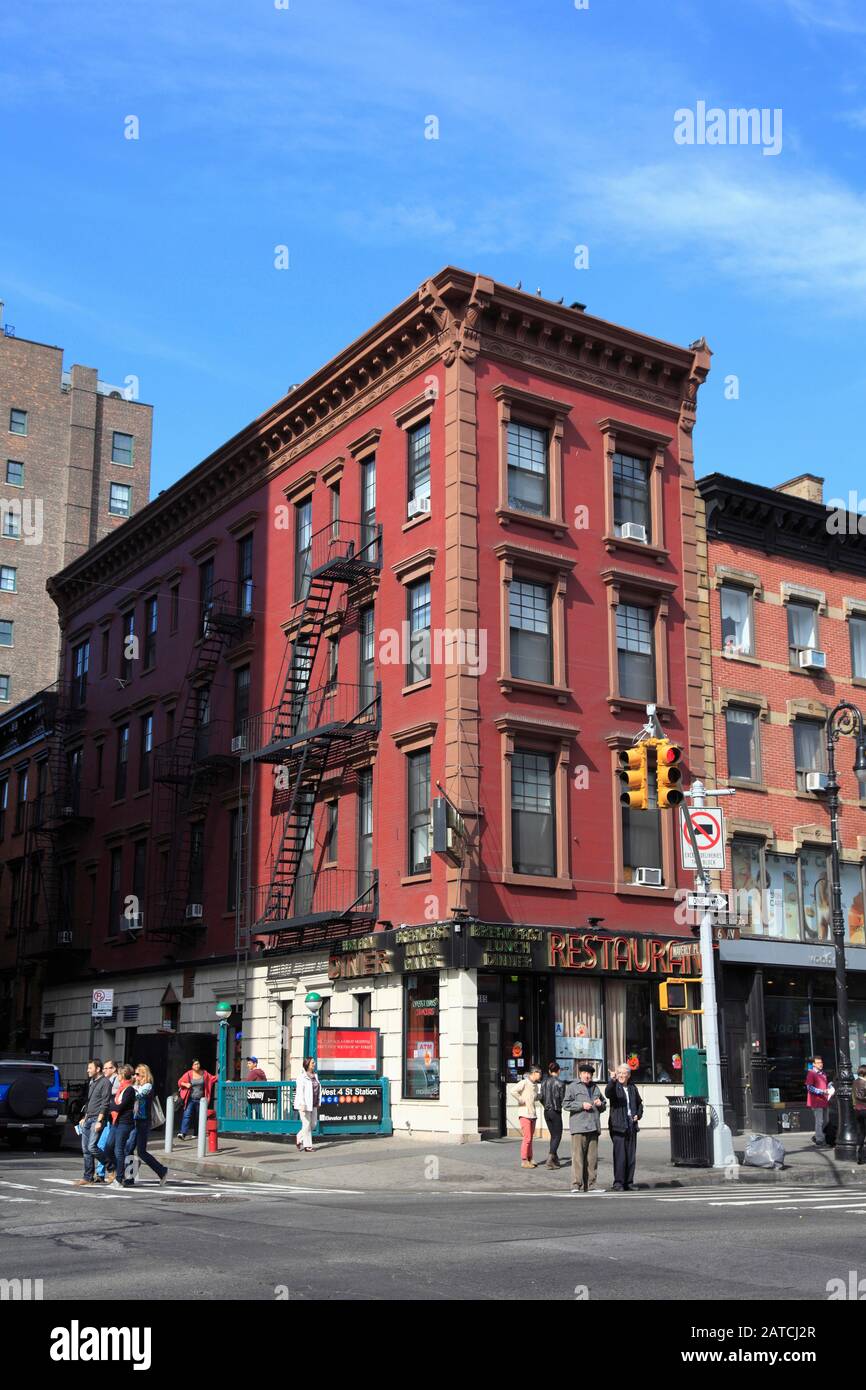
x: 321, y: 727
x: 186, y: 769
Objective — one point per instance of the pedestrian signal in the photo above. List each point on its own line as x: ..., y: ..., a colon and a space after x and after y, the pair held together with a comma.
x: 668, y: 774
x: 633, y: 775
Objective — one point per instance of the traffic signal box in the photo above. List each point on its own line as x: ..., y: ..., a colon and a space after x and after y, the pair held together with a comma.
x: 680, y: 996
x: 634, y: 776
x: 668, y: 773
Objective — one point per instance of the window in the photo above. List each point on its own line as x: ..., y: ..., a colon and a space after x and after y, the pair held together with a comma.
x: 530, y: 631
x: 242, y: 699
x: 18, y: 421
x: 21, y: 801
x: 635, y: 652
x: 631, y: 493
x: 195, y: 890
x: 857, y: 628
x: 421, y: 1037
x: 418, y: 603
x: 232, y: 884
x: 121, y: 448
x: 335, y: 511
x: 736, y: 607
x: 201, y: 744
x: 8, y: 579
x: 331, y: 831
x: 368, y: 508
x: 120, y: 499
x: 419, y: 464
x: 151, y: 618
x: 106, y: 651
x: 418, y: 765
x: 364, y: 1010
x: 80, y: 667
x: 367, y: 640
x: 6, y: 632
x: 5, y: 689
x: 302, y: 665
x: 802, y: 629
x: 14, y: 473
x: 115, y: 905
x: 122, y: 762
x: 41, y: 787
x: 174, y: 611
x: 145, y: 750
x: 129, y: 646
x: 641, y: 840
x: 74, y: 767
x: 17, y: 872
x: 100, y: 758
x: 528, y: 483
x: 303, y: 544
x: 4, y: 802
x: 365, y: 829
x: 742, y: 739
x: 809, y: 751
x: 245, y: 575
x: 205, y: 595
x: 11, y: 521
x: 286, y: 1040
x: 533, y: 828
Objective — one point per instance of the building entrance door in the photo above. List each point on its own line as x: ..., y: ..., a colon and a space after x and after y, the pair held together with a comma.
x: 512, y: 1034
x: 491, y: 1080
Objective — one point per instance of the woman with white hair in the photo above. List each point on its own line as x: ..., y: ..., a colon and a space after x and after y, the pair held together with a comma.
x: 626, y: 1109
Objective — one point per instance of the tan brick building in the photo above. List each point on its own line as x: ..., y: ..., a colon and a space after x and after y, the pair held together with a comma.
x: 74, y: 464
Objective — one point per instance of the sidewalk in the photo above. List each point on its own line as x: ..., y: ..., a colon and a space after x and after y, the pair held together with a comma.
x: 405, y: 1165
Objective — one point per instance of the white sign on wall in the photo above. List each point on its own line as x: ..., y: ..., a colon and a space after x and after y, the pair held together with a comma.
x: 709, y: 827
x: 102, y: 1003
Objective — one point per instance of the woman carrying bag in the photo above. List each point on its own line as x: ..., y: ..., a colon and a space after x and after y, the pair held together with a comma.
x: 143, y: 1115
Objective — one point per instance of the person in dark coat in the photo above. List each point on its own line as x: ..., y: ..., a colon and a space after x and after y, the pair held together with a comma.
x: 626, y: 1110
x: 551, y: 1093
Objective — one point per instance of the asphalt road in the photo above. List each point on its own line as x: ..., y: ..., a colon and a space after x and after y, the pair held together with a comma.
x: 199, y: 1238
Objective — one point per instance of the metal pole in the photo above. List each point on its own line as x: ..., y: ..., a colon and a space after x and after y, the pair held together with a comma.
x: 723, y: 1148
x: 846, y: 1139
x: 202, y: 1128
x: 169, y: 1123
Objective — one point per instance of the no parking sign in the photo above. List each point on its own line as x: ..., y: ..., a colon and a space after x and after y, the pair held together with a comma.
x: 709, y: 828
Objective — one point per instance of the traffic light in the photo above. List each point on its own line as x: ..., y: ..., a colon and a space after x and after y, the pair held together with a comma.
x: 668, y: 774
x: 634, y: 777
x: 680, y: 996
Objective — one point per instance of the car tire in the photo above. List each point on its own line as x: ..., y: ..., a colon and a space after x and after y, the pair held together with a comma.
x: 27, y: 1097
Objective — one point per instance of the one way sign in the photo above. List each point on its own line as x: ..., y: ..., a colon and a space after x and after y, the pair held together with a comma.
x: 709, y: 828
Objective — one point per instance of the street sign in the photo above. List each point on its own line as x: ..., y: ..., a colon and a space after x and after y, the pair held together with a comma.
x: 709, y: 827
x: 102, y: 1003
x: 706, y: 902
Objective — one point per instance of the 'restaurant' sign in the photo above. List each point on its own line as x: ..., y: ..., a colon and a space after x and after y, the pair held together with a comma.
x: 503, y: 947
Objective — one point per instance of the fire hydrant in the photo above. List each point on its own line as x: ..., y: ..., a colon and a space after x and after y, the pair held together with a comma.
x: 212, y: 1145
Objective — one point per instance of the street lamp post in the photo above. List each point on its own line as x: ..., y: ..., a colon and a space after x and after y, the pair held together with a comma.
x: 313, y: 1003
x: 845, y: 719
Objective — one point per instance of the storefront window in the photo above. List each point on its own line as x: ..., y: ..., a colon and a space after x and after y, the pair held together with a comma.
x: 746, y: 874
x: 790, y: 899
x: 783, y: 897
x: 421, y: 1037
x: 852, y: 903
x: 578, y: 1026
x: 816, y: 895
x: 789, y: 1045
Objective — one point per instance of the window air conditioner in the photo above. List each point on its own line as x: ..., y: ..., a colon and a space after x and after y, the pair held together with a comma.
x: 133, y: 923
x: 64, y: 938
x: 67, y: 810
x: 419, y: 505
x: 239, y: 743
x: 633, y: 531
x: 816, y: 781
x: 648, y: 878
x: 194, y: 912
x: 812, y: 660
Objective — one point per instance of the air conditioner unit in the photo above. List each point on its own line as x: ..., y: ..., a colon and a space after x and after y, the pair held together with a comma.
x: 816, y: 781
x: 239, y: 744
x: 194, y: 912
x: 133, y: 923
x: 812, y: 660
x: 633, y: 531
x: 67, y: 810
x: 419, y: 505
x: 648, y: 878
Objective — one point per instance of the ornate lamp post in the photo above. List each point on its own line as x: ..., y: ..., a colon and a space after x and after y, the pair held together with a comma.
x: 845, y: 719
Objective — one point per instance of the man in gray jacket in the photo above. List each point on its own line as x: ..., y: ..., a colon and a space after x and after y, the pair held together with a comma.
x: 584, y: 1103
x: 96, y: 1113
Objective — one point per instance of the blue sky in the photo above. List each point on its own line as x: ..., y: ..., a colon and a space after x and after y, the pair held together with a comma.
x: 305, y: 126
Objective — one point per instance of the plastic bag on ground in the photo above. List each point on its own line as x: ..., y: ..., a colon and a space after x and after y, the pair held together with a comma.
x: 764, y: 1151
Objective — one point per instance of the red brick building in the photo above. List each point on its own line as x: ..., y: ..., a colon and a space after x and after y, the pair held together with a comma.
x: 355, y: 691
x: 788, y: 635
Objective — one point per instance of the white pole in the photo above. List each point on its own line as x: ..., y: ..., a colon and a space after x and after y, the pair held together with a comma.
x: 202, y: 1127
x: 723, y: 1147
x: 169, y: 1123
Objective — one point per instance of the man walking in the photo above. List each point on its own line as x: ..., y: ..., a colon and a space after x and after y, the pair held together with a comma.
x: 818, y: 1095
x: 626, y: 1109
x: 584, y: 1104
x: 93, y: 1117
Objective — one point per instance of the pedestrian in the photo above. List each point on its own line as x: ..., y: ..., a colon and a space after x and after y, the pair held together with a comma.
x: 142, y: 1115
x: 307, y: 1096
x: 584, y: 1104
x: 818, y: 1096
x: 123, y: 1122
x: 193, y: 1085
x: 94, y: 1115
x: 254, y: 1071
x: 105, y: 1164
x: 552, y: 1091
x: 626, y: 1110
x: 859, y: 1097
x: 526, y: 1095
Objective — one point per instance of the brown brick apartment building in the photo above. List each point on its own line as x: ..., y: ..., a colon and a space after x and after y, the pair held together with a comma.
x: 74, y: 464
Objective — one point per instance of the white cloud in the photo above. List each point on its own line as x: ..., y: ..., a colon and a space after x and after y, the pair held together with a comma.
x: 844, y: 16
